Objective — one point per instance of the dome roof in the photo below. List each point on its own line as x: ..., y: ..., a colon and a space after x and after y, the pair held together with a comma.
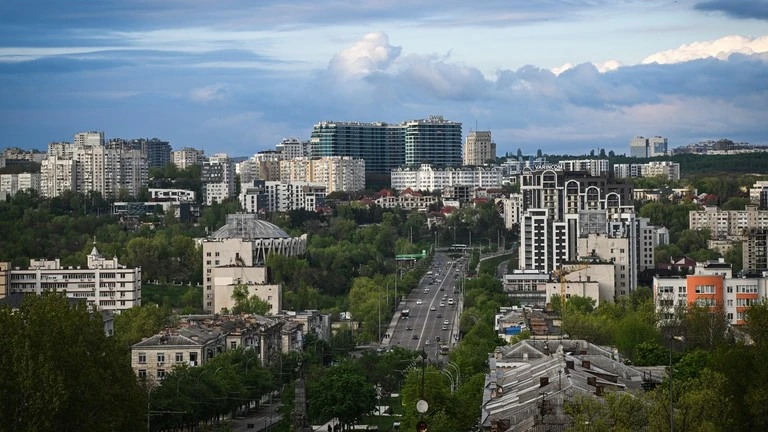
x: 248, y: 226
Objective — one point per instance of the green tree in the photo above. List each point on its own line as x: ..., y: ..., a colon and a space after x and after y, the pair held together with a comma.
x: 139, y: 322
x: 245, y: 303
x: 341, y: 392
x: 65, y: 377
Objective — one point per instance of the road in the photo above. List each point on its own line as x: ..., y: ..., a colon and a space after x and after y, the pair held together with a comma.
x: 430, y: 309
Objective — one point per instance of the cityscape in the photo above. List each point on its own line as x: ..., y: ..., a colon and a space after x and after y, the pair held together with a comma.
x: 525, y: 218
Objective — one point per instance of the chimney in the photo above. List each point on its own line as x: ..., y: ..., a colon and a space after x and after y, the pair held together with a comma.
x: 598, y: 390
x: 592, y: 381
x: 543, y: 381
x: 569, y: 364
x: 585, y: 364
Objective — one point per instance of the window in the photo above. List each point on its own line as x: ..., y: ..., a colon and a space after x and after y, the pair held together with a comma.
x: 729, y: 290
x: 705, y: 289
x: 207, y: 254
x: 161, y: 357
x: 142, y: 373
x: 179, y: 357
x: 233, y: 345
x: 160, y: 374
x: 142, y: 357
x: 730, y: 302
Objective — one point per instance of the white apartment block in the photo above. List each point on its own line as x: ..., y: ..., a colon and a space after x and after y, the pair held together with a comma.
x: 261, y: 166
x: 57, y: 175
x: 407, y: 199
x: 668, y: 169
x: 642, y: 147
x: 176, y: 195
x: 337, y: 173
x: 63, y: 150
x: 760, y: 188
x: 236, y: 254
x: 711, y: 285
x: 90, y: 139
x: 187, y: 157
x: 291, y: 148
x: 287, y: 196
x: 479, y: 148
x: 429, y: 178
x: 12, y: 183
x: 510, y: 208
x: 156, y: 356
x: 732, y: 224
x: 218, y: 177
x: 595, y: 167
x: 103, y: 283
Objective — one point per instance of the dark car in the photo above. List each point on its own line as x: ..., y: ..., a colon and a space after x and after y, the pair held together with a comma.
x: 409, y: 328
x: 415, y: 337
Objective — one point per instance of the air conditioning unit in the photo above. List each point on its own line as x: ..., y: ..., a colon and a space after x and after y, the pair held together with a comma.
x: 192, y: 363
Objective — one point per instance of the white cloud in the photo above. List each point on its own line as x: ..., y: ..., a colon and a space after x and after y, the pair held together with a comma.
x: 370, y: 54
x: 561, y: 69
x: 211, y: 93
x: 719, y: 48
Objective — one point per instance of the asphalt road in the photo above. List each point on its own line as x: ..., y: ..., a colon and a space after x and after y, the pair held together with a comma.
x: 427, y: 320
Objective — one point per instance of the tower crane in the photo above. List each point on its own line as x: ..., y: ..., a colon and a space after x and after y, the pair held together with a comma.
x: 560, y: 274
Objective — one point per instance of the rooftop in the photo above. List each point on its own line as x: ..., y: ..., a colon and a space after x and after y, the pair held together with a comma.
x: 247, y: 226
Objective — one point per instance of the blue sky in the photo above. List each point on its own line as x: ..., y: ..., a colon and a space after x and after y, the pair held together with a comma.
x: 237, y: 76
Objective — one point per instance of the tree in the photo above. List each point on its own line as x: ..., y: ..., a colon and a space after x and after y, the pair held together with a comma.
x: 341, y: 392
x: 65, y: 377
x: 252, y: 304
x: 756, y: 323
x: 139, y: 322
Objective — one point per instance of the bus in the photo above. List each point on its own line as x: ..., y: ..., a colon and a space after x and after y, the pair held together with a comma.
x: 405, y: 313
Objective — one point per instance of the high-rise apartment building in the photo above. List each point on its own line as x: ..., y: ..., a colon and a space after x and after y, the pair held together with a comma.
x: 13, y: 183
x: 426, y: 177
x: 57, y: 174
x: 291, y: 148
x: 479, y: 148
x: 264, y: 165
x: 755, y: 249
x: 638, y: 147
x: 657, y: 146
x: 668, y: 169
x: 187, y: 157
x: 641, y: 147
x: 218, y: 177
x: 595, y: 167
x: 158, y: 152
x: 384, y: 146
x: 337, y: 173
x: 89, y: 139
x: 728, y: 224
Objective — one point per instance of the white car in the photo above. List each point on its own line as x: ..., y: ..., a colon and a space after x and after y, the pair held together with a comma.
x: 418, y: 302
x: 446, y: 322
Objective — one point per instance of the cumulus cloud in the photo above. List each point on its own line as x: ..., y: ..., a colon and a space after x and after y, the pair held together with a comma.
x: 718, y: 48
x: 370, y: 54
x: 211, y: 93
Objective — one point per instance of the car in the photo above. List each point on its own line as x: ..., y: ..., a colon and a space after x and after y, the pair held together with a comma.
x: 446, y: 322
x: 415, y: 337
x: 426, y: 290
x: 418, y: 302
x: 437, y: 338
x: 409, y: 328
x: 433, y: 308
x: 445, y: 327
x: 439, y: 315
x: 442, y: 304
x: 442, y: 289
x: 427, y: 342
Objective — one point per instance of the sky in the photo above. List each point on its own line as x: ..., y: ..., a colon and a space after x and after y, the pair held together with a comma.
x: 237, y: 76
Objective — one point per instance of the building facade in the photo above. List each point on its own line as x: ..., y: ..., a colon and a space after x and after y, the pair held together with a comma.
x: 291, y: 148
x: 235, y: 255
x: 337, y: 173
x: 12, y: 183
x: 187, y: 157
x: 218, y: 177
x: 641, y: 147
x: 728, y: 224
x: 431, y: 178
x: 667, y: 169
x: 479, y: 148
x: 595, y: 167
x: 103, y: 283
x: 755, y: 250
x: 261, y: 166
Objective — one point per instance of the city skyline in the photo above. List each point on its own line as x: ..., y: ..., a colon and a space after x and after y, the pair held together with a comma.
x: 560, y: 76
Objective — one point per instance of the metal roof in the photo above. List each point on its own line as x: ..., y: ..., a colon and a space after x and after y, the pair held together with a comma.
x: 247, y: 226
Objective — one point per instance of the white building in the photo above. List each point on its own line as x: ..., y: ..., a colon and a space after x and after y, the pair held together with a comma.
x: 429, y: 178
x: 236, y: 253
x: 12, y: 183
x: 261, y: 166
x: 641, y: 147
x: 187, y: 157
x: 595, y: 167
x: 177, y: 195
x: 510, y: 208
x: 286, y: 196
x: 57, y: 175
x: 407, y: 199
x: 731, y: 224
x: 218, y: 177
x: 337, y: 173
x: 668, y: 169
x: 292, y: 148
x: 758, y: 193
x: 103, y: 283
x: 479, y: 148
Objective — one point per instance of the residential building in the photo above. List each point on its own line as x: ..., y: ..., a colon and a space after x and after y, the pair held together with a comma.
x: 755, y: 249
x: 385, y: 146
x: 157, y: 151
x: 758, y: 194
x: 4, y: 267
x: 155, y: 357
x: 12, y: 183
x: 712, y: 285
x: 528, y: 287
x: 641, y: 147
x: 337, y: 173
x: 667, y: 169
x: 657, y: 146
x: 427, y: 177
x: 277, y: 196
x: 728, y: 224
x: 103, y: 283
x: 595, y: 167
x: 261, y: 166
x: 57, y: 174
x: 407, y: 200
x: 531, y: 382
x: 638, y: 147
x: 187, y: 157
x: 510, y: 209
x: 184, y: 211
x: 312, y: 322
x: 63, y: 150
x: 173, y: 195
x: 218, y: 177
x: 235, y: 255
x: 291, y: 148
x: 479, y: 148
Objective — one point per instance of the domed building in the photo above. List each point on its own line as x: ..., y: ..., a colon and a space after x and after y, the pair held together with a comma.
x: 236, y: 254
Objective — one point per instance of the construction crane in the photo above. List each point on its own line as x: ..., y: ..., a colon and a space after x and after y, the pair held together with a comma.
x: 560, y: 274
